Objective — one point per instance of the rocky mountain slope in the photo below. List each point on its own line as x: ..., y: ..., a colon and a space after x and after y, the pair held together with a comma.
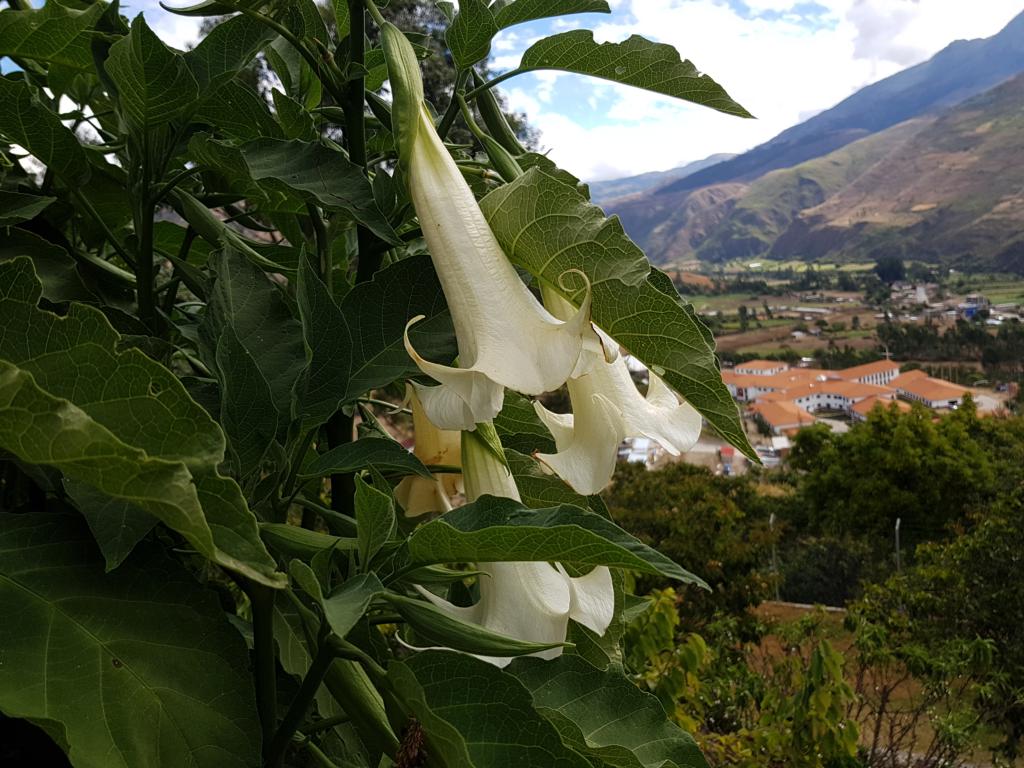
x: 945, y: 185
x: 960, y: 70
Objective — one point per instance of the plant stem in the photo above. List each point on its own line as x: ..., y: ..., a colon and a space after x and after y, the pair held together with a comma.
x: 323, y: 246
x: 453, y: 106
x: 174, y: 181
x: 327, y: 722
x: 300, y: 705
x: 493, y: 82
x: 262, y: 600
x: 172, y: 288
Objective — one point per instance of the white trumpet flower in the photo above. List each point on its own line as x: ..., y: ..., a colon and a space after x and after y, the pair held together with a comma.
x: 505, y: 336
x: 607, y: 408
x: 418, y: 495
x: 530, y: 601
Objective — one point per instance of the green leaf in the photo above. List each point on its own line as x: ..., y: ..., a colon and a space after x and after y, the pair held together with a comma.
x: 247, y: 411
x: 319, y: 174
x: 469, y: 36
x: 380, y: 452
x: 345, y: 606
x: 225, y: 159
x: 540, y: 489
x: 137, y: 667
x: 375, y: 515
x: 263, y: 355
x: 358, y: 346
x: 295, y: 121
x: 16, y: 207
x: 494, y: 529
x: 25, y: 121
x: 53, y: 34
x: 434, y: 627
x: 474, y: 714
x: 302, y: 543
x: 519, y: 427
x: 519, y: 11
x: 601, y: 714
x: 117, y: 525
x: 636, y: 61
x: 54, y: 266
x: 238, y: 112
x: 630, y: 297
x: 117, y: 421
x: 154, y: 84
x: 225, y: 51
x: 342, y: 19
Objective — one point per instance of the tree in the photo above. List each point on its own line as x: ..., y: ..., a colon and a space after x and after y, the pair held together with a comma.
x: 890, y: 269
x: 929, y: 473
x: 744, y: 316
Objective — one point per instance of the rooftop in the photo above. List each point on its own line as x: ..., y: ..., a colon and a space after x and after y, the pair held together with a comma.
x: 783, y: 414
x: 933, y: 390
x: 865, y: 406
x: 869, y: 369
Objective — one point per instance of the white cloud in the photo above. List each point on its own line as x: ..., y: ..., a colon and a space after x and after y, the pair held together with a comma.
x: 782, y: 68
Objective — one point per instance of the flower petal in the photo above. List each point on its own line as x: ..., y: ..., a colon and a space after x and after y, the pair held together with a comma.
x: 593, y: 599
x: 419, y: 496
x: 558, y: 424
x: 587, y: 461
x: 503, y: 332
x: 662, y: 417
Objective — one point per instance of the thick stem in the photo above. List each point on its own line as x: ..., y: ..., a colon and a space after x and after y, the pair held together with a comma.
x: 453, y: 106
x: 343, y: 485
x: 300, y: 705
x: 264, y: 659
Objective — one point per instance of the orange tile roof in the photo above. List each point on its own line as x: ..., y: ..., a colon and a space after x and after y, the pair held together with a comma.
x: 907, y: 377
x: 933, y: 389
x: 869, y: 369
x: 865, y: 406
x: 762, y: 365
x: 784, y: 414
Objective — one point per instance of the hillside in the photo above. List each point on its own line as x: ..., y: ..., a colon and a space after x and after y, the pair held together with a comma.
x: 962, y: 69
x: 952, y: 192
x: 604, y: 191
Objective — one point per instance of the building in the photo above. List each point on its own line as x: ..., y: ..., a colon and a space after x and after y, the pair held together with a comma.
x: 880, y: 372
x: 761, y: 367
x: 783, y: 418
x: 937, y: 394
x: 860, y: 410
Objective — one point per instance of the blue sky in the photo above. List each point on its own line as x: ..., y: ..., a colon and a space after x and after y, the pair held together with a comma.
x: 784, y: 60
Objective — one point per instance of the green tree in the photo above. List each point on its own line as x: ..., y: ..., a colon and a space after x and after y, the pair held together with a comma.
x: 929, y: 473
x: 696, y: 517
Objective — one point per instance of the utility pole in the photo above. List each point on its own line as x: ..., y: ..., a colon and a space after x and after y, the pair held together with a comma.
x: 775, y: 556
x: 898, y: 564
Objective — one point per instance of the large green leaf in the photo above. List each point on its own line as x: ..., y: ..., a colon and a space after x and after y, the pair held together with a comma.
x: 263, y: 357
x: 470, y: 33
x: 494, y: 529
x: 381, y: 453
x: 53, y: 34
x: 226, y: 160
x: 604, y: 716
x: 319, y: 174
x: 24, y: 120
x: 225, y: 51
x: 375, y: 515
x: 16, y: 207
x: 238, y: 112
x: 474, y: 714
x: 519, y: 427
x: 117, y: 421
x: 56, y: 269
x: 548, y: 227
x: 519, y: 11
x: 116, y: 524
x: 154, y: 84
x: 126, y: 669
x: 358, y: 346
x: 636, y: 61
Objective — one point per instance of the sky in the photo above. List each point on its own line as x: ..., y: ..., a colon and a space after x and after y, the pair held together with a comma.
x: 784, y: 60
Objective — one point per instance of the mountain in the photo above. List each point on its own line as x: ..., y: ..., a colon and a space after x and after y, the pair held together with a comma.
x: 941, y: 184
x: 952, y: 192
x: 962, y: 69
x: 603, y: 191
